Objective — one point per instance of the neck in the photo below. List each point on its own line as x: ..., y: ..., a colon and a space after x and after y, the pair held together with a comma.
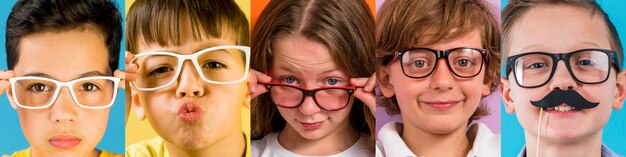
x: 233, y: 144
x: 586, y: 146
x: 423, y: 143
x: 335, y: 142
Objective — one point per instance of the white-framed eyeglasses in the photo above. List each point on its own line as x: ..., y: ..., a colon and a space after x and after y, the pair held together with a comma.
x: 33, y: 92
x: 218, y: 65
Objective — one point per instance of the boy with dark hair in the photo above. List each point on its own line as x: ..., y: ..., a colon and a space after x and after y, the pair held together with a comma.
x: 53, y: 44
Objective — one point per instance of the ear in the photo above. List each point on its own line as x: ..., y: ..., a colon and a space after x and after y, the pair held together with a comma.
x: 384, y: 83
x: 487, y: 89
x: 10, y: 97
x: 248, y: 95
x: 620, y: 91
x: 506, y: 95
x: 141, y: 115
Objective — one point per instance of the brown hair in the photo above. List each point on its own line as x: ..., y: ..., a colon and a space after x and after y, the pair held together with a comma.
x: 516, y: 8
x: 346, y: 27
x: 403, y: 24
x: 157, y: 21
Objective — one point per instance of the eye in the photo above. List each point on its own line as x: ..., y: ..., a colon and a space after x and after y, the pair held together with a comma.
x: 39, y: 87
x: 419, y: 64
x: 464, y: 63
x: 584, y: 63
x: 289, y: 80
x: 160, y: 70
x: 332, y: 81
x: 537, y: 66
x: 214, y: 65
x: 89, y: 87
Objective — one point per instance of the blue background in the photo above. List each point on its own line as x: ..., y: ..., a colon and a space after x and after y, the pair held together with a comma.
x: 614, y: 134
x: 11, y: 137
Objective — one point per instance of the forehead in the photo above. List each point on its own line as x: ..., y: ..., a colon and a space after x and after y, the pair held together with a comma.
x: 53, y: 53
x: 558, y: 28
x: 302, y: 52
x: 472, y: 39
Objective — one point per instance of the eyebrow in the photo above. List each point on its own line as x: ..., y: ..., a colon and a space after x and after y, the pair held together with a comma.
x: 290, y: 70
x: 195, y: 51
x: 87, y: 74
x: 539, y: 46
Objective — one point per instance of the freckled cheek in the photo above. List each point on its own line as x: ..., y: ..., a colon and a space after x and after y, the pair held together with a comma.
x: 340, y: 115
x: 288, y: 114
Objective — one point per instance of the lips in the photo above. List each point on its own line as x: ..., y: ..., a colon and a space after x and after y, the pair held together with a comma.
x: 311, y: 126
x: 190, y: 112
x: 64, y: 141
x: 441, y: 105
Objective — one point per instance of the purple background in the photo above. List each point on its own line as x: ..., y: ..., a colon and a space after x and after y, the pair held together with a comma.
x: 492, y: 100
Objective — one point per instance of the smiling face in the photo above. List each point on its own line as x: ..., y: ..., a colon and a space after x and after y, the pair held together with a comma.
x: 550, y: 28
x: 442, y: 102
x: 308, y: 64
x: 64, y: 129
x: 191, y: 113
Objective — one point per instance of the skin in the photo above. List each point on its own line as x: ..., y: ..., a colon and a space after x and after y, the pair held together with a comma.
x: 428, y: 131
x: 216, y: 133
x: 309, y: 64
x: 49, y: 54
x: 542, y: 29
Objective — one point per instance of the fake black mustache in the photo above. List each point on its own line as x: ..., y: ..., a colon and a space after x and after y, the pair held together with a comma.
x: 569, y: 97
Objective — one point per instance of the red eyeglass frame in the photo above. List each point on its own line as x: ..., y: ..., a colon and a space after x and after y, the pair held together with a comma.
x: 308, y: 92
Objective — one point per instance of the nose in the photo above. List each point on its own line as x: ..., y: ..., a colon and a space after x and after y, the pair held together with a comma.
x: 308, y: 106
x: 562, y: 79
x: 64, y: 109
x: 442, y: 78
x: 189, y: 83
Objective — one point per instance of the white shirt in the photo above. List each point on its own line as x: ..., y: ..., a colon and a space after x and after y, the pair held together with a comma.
x: 269, y: 147
x: 390, y: 143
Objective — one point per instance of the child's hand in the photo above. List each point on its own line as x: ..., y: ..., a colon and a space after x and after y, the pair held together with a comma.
x: 131, y: 71
x: 256, y: 79
x: 129, y: 75
x: 4, y: 79
x: 365, y: 91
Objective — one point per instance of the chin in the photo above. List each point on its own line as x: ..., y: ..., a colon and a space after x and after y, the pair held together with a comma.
x: 565, y: 136
x: 442, y: 129
x: 193, y: 143
x: 442, y: 126
x: 193, y: 138
x: 312, y: 135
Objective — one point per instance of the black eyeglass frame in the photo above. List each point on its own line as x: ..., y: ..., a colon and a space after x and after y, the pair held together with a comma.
x: 439, y: 54
x: 556, y: 57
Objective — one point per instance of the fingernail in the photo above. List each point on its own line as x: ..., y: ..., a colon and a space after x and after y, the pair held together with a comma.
x: 252, y: 89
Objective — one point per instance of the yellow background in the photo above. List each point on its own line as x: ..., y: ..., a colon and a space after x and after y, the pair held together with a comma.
x: 140, y: 130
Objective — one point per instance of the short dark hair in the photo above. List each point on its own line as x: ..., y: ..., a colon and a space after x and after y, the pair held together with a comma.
x: 33, y: 16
